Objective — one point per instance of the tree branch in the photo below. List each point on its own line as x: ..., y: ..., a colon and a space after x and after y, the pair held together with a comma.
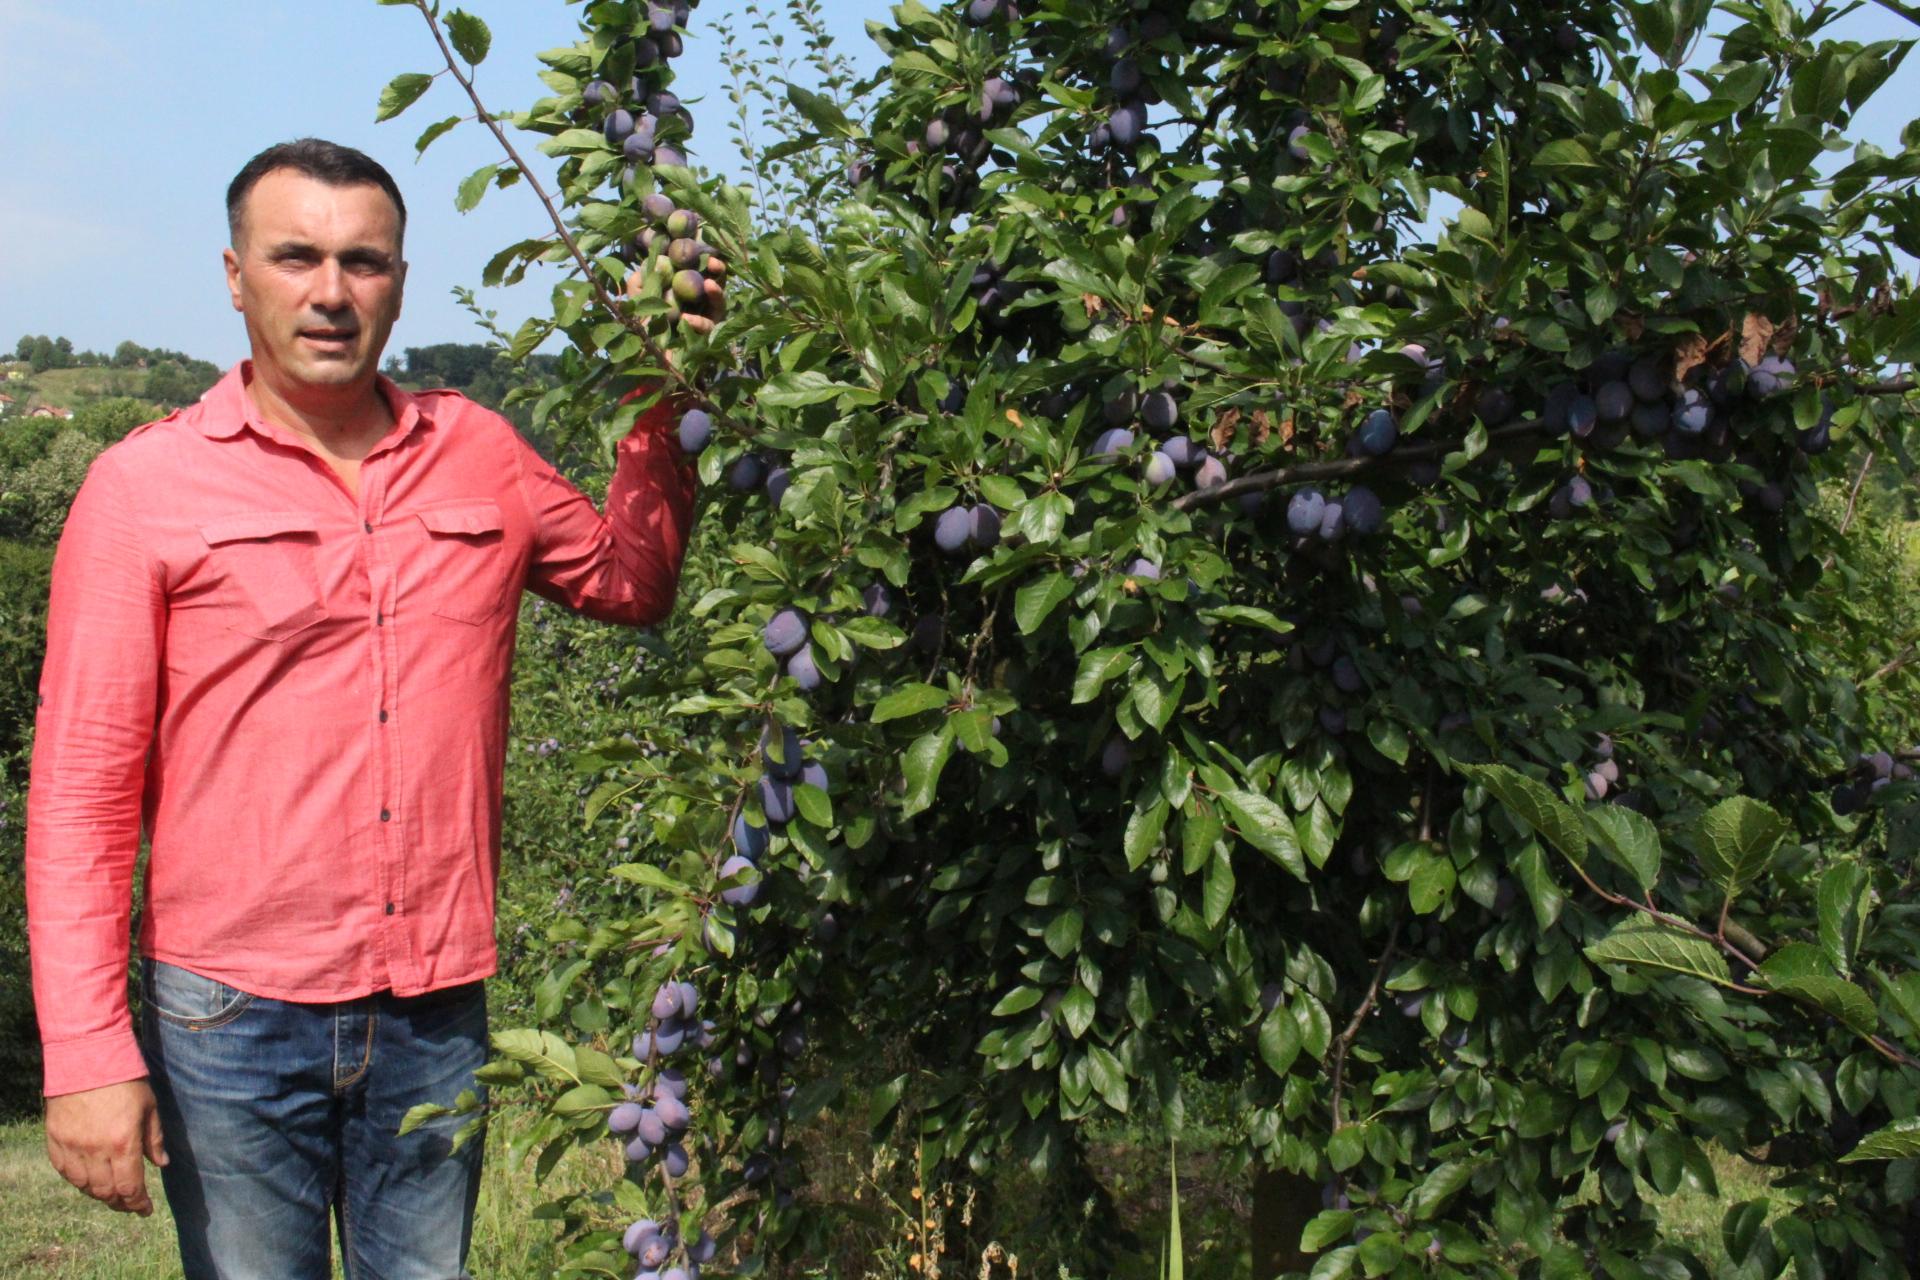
x: 633, y: 324
x: 1299, y: 473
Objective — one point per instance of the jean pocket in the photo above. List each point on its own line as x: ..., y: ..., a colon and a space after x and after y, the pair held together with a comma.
x: 188, y: 999
x: 464, y: 564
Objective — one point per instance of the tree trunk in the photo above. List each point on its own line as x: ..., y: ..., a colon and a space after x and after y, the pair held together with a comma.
x: 1283, y: 1204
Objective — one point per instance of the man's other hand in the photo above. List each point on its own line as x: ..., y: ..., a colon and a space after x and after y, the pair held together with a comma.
x: 97, y: 1137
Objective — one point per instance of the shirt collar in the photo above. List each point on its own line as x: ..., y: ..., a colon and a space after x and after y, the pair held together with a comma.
x: 226, y: 409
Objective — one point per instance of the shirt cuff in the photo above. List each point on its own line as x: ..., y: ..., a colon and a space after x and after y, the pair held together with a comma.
x: 93, y: 1062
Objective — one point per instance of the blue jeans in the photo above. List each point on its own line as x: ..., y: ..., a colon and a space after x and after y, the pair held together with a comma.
x: 279, y: 1115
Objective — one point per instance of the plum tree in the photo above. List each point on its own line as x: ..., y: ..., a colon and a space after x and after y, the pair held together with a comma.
x: 1638, y: 299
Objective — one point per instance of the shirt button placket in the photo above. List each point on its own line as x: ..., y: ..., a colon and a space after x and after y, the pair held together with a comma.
x: 381, y: 649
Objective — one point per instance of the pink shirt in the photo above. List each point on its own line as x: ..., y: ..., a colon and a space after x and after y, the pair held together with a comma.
x: 303, y: 697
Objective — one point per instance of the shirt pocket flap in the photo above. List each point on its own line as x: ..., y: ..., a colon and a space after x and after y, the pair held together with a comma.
x: 482, y: 515
x: 258, y: 524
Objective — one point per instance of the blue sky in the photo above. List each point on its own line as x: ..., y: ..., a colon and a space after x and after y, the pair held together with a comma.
x: 121, y: 122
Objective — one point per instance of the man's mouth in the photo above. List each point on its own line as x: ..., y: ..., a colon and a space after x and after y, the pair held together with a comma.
x: 332, y: 337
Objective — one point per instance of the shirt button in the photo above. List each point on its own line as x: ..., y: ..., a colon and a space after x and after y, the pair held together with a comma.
x: 368, y: 524
x: 385, y: 816
x: 379, y: 619
x: 389, y: 908
x: 383, y: 717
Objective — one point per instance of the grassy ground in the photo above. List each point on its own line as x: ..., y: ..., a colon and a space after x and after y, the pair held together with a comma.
x: 70, y: 388
x: 53, y: 1232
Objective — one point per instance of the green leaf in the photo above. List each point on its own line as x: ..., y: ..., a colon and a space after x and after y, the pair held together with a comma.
x: 1246, y: 616
x: 1440, y: 1185
x: 1737, y: 838
x: 545, y: 1052
x: 909, y: 700
x: 1279, y: 1039
x: 924, y: 761
x: 1564, y: 153
x: 1801, y: 969
x: 1431, y: 884
x: 1326, y: 1227
x: 1556, y: 821
x: 1845, y: 899
x: 1143, y: 833
x: 580, y: 1099
x: 1077, y: 1008
x: 1096, y: 668
x: 1217, y: 895
x: 433, y: 131
x: 1063, y: 932
x: 821, y: 112
x: 1264, y: 825
x: 814, y: 805
x: 1630, y: 839
x: 808, y: 386
x: 1033, y: 602
x: 402, y: 92
x: 473, y: 186
x: 1898, y: 1141
x: 470, y: 36
x: 1018, y: 1000
x: 1642, y: 940
x: 419, y: 1114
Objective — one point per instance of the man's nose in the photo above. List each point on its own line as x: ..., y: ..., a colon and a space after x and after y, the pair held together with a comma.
x: 329, y: 286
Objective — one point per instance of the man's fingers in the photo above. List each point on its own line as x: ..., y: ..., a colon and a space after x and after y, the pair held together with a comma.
x: 130, y: 1185
x: 156, y: 1145
x: 100, y: 1182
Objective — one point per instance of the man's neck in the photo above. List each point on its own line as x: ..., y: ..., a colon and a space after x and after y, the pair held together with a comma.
x: 337, y: 418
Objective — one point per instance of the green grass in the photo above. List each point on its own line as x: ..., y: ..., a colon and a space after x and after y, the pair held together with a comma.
x: 71, y: 388
x: 54, y: 1232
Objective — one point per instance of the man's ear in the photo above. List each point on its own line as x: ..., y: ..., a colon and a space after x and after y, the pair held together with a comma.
x: 231, y: 261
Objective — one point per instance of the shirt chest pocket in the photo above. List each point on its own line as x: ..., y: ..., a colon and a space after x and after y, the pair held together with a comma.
x: 266, y: 559
x: 465, y: 567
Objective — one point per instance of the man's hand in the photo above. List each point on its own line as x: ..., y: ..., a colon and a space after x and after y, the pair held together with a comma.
x: 96, y: 1139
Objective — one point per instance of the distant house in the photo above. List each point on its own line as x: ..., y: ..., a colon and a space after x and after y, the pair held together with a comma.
x: 6, y: 402
x: 48, y: 411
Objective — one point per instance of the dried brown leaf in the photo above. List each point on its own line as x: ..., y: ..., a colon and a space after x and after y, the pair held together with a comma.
x: 1756, y: 331
x: 1688, y: 354
x: 1223, y: 428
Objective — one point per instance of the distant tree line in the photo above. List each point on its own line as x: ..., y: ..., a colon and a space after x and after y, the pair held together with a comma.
x: 173, y: 377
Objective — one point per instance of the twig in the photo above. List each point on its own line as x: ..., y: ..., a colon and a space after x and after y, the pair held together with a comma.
x: 1906, y: 11
x: 1893, y: 666
x: 1853, y: 495
x: 1260, y: 481
x: 1352, y: 1031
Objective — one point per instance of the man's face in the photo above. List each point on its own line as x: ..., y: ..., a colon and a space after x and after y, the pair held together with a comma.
x: 316, y: 270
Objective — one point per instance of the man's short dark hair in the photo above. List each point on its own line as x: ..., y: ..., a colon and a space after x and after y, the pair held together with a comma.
x: 323, y: 161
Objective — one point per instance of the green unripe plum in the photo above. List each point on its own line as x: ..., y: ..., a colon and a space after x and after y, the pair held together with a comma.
x: 689, y: 287
x: 682, y: 224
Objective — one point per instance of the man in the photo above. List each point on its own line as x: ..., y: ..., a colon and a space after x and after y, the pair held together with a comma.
x: 280, y: 632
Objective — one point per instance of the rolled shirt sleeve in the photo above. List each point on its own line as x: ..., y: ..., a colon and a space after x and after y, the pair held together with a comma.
x: 622, y: 567
x: 106, y: 628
